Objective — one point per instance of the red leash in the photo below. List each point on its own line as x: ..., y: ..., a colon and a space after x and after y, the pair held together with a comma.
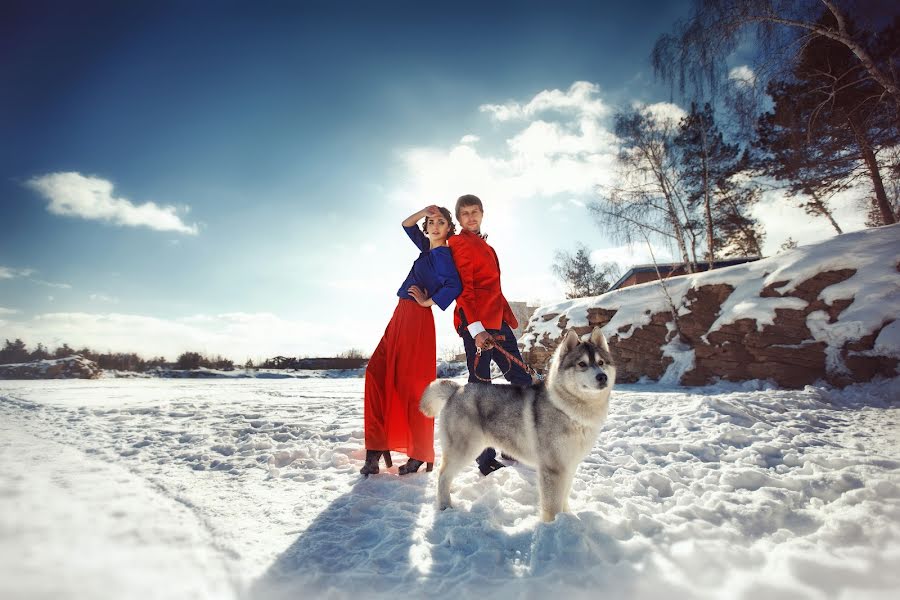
x: 509, y: 357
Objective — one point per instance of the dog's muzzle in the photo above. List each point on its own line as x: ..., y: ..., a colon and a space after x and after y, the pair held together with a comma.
x: 602, y: 380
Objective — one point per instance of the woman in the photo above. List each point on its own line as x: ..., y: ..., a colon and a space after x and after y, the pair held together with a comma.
x: 404, y: 361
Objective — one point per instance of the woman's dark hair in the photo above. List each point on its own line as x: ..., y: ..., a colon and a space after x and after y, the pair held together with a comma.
x: 447, y: 216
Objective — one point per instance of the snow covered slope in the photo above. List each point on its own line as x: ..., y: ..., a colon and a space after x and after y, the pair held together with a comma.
x: 244, y: 488
x: 828, y: 311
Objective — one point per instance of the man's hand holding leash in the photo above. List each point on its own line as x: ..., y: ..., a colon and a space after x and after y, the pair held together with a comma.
x: 484, y: 341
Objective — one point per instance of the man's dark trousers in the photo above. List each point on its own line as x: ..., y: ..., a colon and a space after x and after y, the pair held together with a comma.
x: 514, y: 373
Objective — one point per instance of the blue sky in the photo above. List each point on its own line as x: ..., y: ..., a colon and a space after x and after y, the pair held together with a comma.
x: 281, y: 144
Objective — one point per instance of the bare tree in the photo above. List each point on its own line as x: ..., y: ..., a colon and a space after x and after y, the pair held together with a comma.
x: 695, y: 54
x: 648, y: 196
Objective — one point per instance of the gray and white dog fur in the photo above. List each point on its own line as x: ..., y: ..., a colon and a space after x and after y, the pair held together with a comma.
x: 550, y: 425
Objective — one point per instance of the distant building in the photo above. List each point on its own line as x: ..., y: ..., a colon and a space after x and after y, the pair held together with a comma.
x: 523, y: 313
x: 644, y: 273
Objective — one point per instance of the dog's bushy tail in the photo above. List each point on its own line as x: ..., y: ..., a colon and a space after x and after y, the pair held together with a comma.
x: 436, y: 395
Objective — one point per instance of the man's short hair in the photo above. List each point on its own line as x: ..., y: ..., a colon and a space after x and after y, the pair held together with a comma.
x: 468, y: 200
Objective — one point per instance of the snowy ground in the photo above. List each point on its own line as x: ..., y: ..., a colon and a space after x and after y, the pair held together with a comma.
x: 244, y: 488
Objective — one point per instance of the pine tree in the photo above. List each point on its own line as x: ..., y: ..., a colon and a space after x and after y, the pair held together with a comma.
x: 708, y: 166
x: 63, y: 351
x: 14, y: 352
x: 189, y: 360
x: 828, y: 126
x: 40, y: 353
x: 789, y: 244
x: 158, y: 361
x: 741, y: 233
x: 581, y: 277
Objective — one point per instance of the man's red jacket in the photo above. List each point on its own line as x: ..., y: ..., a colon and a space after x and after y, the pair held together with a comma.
x: 479, y: 270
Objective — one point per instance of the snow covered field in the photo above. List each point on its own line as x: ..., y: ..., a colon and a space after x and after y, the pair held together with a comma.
x: 245, y: 488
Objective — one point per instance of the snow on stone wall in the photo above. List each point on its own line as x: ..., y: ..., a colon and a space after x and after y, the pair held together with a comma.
x: 71, y: 367
x: 827, y: 311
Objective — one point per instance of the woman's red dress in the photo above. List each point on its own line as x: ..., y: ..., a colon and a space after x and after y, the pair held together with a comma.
x: 401, y: 367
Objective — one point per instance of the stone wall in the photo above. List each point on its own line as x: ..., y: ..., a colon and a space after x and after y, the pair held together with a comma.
x: 784, y: 351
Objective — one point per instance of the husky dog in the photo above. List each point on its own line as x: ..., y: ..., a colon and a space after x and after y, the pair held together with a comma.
x: 550, y: 425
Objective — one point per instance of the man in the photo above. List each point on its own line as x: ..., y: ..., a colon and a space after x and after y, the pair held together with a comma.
x: 482, y: 317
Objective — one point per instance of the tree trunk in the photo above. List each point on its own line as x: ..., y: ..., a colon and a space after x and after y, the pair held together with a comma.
x: 678, y: 229
x: 662, y: 284
x: 884, y: 207
x: 748, y: 231
x: 658, y: 166
x: 823, y: 210
x: 710, y: 241
x: 881, y: 200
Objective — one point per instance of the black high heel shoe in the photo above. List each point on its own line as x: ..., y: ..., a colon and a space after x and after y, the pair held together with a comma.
x: 372, y: 456
x: 412, y: 465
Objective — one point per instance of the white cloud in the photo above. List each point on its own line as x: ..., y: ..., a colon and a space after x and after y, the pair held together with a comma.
x: 10, y: 273
x: 580, y: 99
x: 469, y: 139
x: 7, y: 311
x: 72, y: 194
x: 568, y: 151
x: 234, y: 335
x: 62, y: 286
x: 664, y: 112
x: 104, y: 298
x: 743, y: 76
x: 541, y: 164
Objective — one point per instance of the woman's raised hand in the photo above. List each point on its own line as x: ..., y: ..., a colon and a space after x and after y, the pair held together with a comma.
x: 429, y: 211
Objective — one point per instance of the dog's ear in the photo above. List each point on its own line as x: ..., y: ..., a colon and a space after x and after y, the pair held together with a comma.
x: 571, y: 340
x: 598, y: 339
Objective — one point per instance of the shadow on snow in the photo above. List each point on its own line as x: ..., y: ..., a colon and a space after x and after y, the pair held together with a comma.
x: 383, y: 539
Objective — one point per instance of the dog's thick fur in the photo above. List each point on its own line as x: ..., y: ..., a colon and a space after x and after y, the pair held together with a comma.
x: 551, y: 425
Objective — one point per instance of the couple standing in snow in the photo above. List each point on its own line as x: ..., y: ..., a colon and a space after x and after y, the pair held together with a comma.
x: 450, y: 266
